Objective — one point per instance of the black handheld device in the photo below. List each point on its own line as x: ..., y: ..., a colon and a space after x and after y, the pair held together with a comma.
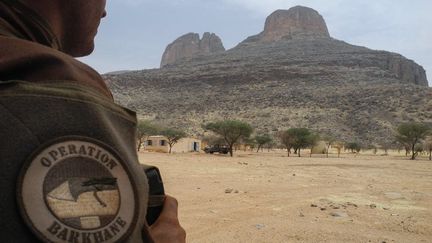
x: 156, y: 193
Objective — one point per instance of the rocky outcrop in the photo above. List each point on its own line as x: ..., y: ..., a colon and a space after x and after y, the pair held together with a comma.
x: 296, y: 23
x: 190, y: 45
x: 211, y: 43
x: 407, y: 70
x: 294, y: 75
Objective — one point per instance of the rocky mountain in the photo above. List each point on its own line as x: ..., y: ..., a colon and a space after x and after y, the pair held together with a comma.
x: 297, y: 22
x: 293, y: 74
x: 190, y: 45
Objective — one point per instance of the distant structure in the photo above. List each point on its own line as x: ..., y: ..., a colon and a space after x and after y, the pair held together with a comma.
x: 160, y: 144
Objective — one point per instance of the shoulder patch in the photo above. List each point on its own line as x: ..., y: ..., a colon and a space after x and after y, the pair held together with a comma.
x: 77, y: 189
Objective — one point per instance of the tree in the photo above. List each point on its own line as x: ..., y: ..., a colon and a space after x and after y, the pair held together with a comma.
x: 374, y: 148
x: 428, y: 146
x: 338, y: 145
x: 302, y: 138
x: 262, y: 140
x: 213, y: 140
x: 231, y: 131
x: 405, y: 146
x: 329, y: 141
x: 287, y: 140
x: 271, y: 145
x: 354, y: 147
x: 145, y: 129
x: 313, y: 141
x: 248, y: 142
x: 411, y: 134
x: 386, y: 146
x: 173, y: 136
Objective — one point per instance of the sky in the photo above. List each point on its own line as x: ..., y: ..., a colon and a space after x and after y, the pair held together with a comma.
x: 135, y: 33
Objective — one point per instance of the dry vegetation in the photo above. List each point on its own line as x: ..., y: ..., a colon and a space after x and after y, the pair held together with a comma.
x: 367, y: 113
x: 267, y: 197
x: 352, y: 93
x: 324, y: 84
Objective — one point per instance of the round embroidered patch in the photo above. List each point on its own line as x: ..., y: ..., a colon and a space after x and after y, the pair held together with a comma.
x: 77, y: 190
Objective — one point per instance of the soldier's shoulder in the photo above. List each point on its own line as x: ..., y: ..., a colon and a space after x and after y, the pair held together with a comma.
x: 30, y: 61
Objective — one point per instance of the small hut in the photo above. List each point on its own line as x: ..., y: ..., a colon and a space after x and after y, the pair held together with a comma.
x: 160, y: 144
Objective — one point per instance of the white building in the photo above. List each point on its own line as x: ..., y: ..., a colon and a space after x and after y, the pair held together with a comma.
x: 160, y: 144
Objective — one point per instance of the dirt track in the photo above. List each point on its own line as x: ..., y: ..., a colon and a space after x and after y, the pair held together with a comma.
x: 268, y: 197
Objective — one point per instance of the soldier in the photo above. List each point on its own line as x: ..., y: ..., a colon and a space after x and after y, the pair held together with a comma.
x: 69, y: 170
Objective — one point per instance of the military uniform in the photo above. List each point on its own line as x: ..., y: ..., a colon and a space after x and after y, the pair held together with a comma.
x: 69, y: 170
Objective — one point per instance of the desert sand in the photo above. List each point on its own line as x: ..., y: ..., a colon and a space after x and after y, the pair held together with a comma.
x: 268, y: 197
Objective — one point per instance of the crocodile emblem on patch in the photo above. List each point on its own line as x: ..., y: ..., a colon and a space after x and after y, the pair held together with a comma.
x: 77, y: 190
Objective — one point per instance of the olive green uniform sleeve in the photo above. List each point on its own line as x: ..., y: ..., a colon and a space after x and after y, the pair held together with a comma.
x: 34, y: 114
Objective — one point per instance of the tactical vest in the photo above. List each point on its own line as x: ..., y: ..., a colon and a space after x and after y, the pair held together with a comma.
x: 69, y: 169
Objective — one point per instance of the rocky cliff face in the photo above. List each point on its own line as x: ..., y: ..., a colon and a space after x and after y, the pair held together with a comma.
x: 190, y: 45
x: 297, y: 22
x: 407, y: 70
x: 305, y: 80
x: 302, y: 24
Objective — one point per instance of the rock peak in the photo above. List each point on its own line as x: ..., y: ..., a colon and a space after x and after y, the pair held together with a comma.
x: 295, y: 23
x: 190, y: 45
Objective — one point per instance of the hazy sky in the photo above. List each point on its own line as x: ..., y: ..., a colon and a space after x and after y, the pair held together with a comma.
x: 135, y: 33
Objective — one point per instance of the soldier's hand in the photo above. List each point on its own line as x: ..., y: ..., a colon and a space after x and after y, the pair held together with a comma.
x: 167, y: 228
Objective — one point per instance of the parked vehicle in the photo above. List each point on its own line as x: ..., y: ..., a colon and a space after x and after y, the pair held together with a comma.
x: 222, y: 149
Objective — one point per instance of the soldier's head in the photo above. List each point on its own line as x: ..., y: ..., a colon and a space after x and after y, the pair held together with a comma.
x: 74, y: 22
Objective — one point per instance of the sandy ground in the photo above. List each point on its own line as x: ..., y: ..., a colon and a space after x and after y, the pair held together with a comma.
x: 267, y: 197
